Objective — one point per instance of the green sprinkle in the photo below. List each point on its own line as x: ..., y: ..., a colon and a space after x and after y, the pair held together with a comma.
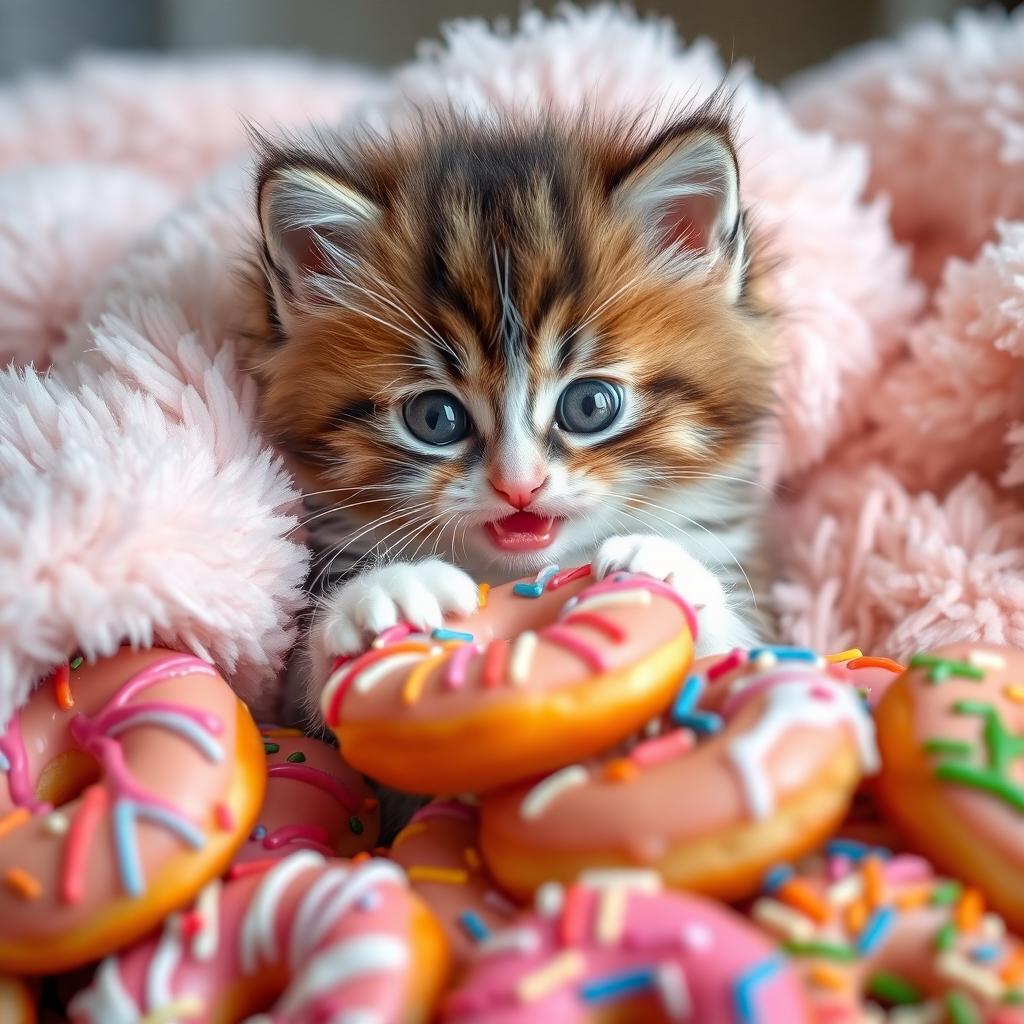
x: 1013, y: 996
x: 355, y: 825
x: 985, y: 779
x: 297, y: 758
x: 76, y: 662
x: 941, y: 669
x: 828, y: 950
x: 951, y: 748
x: 959, y: 1009
x: 893, y: 989
x: 270, y: 748
x: 946, y: 938
x: 946, y: 893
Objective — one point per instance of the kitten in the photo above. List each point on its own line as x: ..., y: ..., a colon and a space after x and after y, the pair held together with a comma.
x: 516, y: 343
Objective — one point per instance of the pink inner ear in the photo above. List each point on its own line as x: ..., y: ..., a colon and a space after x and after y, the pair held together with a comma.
x: 305, y: 251
x: 689, y: 222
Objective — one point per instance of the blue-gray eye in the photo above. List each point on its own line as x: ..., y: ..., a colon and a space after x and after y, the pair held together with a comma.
x: 587, y: 406
x: 436, y: 417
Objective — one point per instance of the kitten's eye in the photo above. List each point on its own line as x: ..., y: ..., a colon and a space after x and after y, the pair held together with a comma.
x: 436, y: 417
x: 587, y: 406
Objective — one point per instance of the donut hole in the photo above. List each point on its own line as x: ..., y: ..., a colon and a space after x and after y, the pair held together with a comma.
x: 66, y: 777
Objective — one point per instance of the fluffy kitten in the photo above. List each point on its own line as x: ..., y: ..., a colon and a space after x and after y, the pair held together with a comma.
x: 515, y: 343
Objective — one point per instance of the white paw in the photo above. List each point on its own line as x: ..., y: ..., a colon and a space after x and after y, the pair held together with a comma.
x: 419, y: 593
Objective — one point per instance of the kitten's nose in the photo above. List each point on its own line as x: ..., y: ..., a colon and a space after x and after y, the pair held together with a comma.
x: 518, y: 492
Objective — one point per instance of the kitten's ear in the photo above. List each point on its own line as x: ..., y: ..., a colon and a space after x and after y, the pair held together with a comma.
x: 313, y: 225
x: 685, y: 189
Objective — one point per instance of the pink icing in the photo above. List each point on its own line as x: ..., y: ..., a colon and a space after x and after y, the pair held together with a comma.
x: 594, y: 659
x: 446, y: 809
x: 455, y: 671
x: 315, y: 777
x: 19, y: 783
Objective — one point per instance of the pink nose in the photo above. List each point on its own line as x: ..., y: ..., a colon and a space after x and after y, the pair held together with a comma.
x: 520, y: 491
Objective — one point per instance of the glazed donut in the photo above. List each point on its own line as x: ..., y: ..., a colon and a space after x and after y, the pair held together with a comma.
x: 321, y: 940
x: 613, y: 946
x: 768, y: 748
x: 951, y: 735
x: 589, y: 663
x: 864, y: 927
x: 438, y: 851
x: 129, y: 784
x: 17, y: 1004
x: 314, y: 801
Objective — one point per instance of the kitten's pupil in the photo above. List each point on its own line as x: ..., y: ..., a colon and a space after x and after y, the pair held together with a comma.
x: 436, y: 417
x: 587, y: 406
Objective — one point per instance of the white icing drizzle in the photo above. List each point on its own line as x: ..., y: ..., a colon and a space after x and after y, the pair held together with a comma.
x: 611, y: 914
x: 673, y: 991
x: 311, y: 907
x: 163, y: 964
x: 614, y: 600
x: 207, y: 939
x: 366, y: 953
x: 258, y: 936
x: 536, y: 801
x: 634, y: 879
x: 790, y: 704
x: 373, y: 674
x: 105, y: 1001
x: 521, y: 659
x: 986, y: 659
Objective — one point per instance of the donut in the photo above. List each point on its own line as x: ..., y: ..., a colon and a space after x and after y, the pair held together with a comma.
x: 614, y: 947
x: 951, y: 736
x: 547, y: 669
x: 871, y: 675
x: 871, y: 930
x: 757, y: 762
x: 320, y: 940
x: 17, y: 1005
x: 438, y: 851
x: 125, y: 785
x: 314, y: 801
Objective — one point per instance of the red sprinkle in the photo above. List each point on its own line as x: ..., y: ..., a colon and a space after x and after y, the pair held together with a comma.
x: 663, y: 748
x: 495, y: 662
x: 251, y: 867
x: 568, y: 576
x: 575, y: 911
x: 612, y: 630
x: 61, y: 679
x: 727, y: 664
x: 225, y: 819
x: 191, y: 924
x: 870, y: 662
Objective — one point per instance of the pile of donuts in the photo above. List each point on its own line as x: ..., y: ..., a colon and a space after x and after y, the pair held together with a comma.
x: 610, y: 831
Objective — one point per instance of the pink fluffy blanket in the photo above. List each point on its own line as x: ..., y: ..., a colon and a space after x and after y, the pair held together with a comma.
x: 138, y: 502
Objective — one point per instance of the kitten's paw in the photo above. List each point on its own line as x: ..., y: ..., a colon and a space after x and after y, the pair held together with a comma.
x: 420, y: 593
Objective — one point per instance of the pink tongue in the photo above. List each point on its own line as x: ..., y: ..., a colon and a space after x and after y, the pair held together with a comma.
x: 525, y: 522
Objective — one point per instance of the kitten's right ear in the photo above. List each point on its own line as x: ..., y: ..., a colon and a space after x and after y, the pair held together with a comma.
x: 313, y: 227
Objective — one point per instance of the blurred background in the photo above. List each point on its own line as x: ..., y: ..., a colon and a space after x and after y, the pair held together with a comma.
x: 780, y: 36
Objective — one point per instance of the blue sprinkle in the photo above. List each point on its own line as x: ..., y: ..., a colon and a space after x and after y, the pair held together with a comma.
x: 473, y: 925
x: 875, y: 930
x: 620, y: 577
x: 784, y: 653
x: 618, y: 985
x: 704, y: 723
x: 546, y: 574
x: 528, y: 589
x: 986, y: 953
x: 259, y: 832
x: 688, y: 696
x: 775, y: 876
x: 450, y: 634
x: 746, y: 985
x: 5, y: 765
x: 854, y: 850
x: 368, y: 901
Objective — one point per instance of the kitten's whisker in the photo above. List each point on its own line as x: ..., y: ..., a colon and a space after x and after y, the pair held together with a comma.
x: 589, y: 318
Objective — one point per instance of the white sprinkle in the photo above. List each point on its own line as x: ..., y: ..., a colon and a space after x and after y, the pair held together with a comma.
x: 616, y: 599
x: 993, y: 927
x: 638, y: 879
x: 56, y: 823
x: 652, y: 728
x: 697, y: 937
x: 205, y: 943
x: 846, y: 890
x: 510, y: 940
x: 611, y: 915
x: 927, y: 1013
x: 766, y: 659
x: 980, y: 980
x: 521, y: 660
x: 674, y: 992
x: 784, y: 921
x: 986, y: 659
x: 535, y: 802
x: 548, y: 899
x: 373, y: 674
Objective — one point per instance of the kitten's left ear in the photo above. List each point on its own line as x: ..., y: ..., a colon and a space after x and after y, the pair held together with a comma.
x: 685, y: 189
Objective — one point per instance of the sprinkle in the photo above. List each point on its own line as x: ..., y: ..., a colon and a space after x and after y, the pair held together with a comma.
x: 76, y: 850
x: 483, y: 590
x: 856, y: 916
x: 573, y: 923
x: 945, y: 938
x: 798, y: 894
x: 473, y: 925
x: 984, y: 779
x: 622, y: 769
x: 873, y: 662
x: 62, y: 687
x: 845, y: 891
x: 785, y: 653
x: 611, y: 915
x: 853, y: 849
x: 969, y: 910
x: 528, y: 589
x: 689, y: 694
x: 568, y: 576
x: 663, y: 748
x: 1013, y: 970
x: 56, y: 823
x: 786, y: 923
x: 455, y: 670
x: 15, y: 819
x: 826, y: 950
x: 986, y: 953
x: 270, y: 748
x: 947, y: 747
x: 444, y: 876
x: 583, y: 650
x: 850, y: 655
x: 878, y: 927
x: 986, y: 659
x: 959, y: 1010
x: 956, y: 968
x: 745, y: 988
x: 673, y: 992
x: 417, y: 679
x: 521, y: 658
x: 775, y: 876
x: 546, y: 574
x: 513, y: 940
x: 225, y: 819
x: 618, y: 985
x: 412, y: 829
x: 893, y: 989
x: 993, y: 927
x: 1013, y: 997
x: 612, y: 630
x: 1014, y: 692
x: 705, y: 723
x: 548, y: 900
x: 566, y: 966
x: 76, y: 662
x: 941, y: 669
x: 827, y: 976
x: 185, y: 1006
x: 765, y: 660
x: 258, y: 833
x: 914, y: 897
x: 634, y: 879
x: 946, y: 893
x: 451, y: 634
x: 252, y: 867
x: 838, y: 868
x: 23, y: 884
x: 361, y: 857
x: 355, y: 826
x: 535, y: 803
x: 472, y: 858
x: 296, y: 757
x: 874, y: 880
x: 732, y: 660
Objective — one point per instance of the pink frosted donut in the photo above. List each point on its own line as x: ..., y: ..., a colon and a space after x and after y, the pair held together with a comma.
x: 319, y: 940
x: 768, y: 747
x: 129, y: 784
x: 314, y: 801
x: 438, y: 850
x: 547, y: 669
x: 867, y: 929
x: 614, y: 947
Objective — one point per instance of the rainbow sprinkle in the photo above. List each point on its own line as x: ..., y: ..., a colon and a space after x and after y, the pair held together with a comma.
x: 746, y: 987
x: 451, y: 634
x: 473, y: 925
x: 619, y: 985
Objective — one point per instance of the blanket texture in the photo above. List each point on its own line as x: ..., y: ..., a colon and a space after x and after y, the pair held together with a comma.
x: 138, y: 501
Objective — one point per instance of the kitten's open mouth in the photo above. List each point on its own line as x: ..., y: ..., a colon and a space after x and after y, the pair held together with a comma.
x: 524, y: 531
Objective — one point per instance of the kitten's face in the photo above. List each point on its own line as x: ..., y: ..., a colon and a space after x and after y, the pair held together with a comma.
x: 504, y: 346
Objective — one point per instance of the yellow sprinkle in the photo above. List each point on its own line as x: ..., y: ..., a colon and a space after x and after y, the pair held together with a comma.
x: 837, y: 659
x: 482, y: 590
x: 611, y: 916
x: 521, y: 659
x: 187, y: 1006
x: 913, y: 898
x: 413, y: 689
x: 23, y: 884
x: 17, y: 818
x: 783, y: 920
x: 1014, y: 692
x: 565, y: 967
x: 856, y: 916
x: 450, y: 876
x: 472, y: 858
x: 970, y: 910
x: 408, y: 832
x: 827, y: 976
